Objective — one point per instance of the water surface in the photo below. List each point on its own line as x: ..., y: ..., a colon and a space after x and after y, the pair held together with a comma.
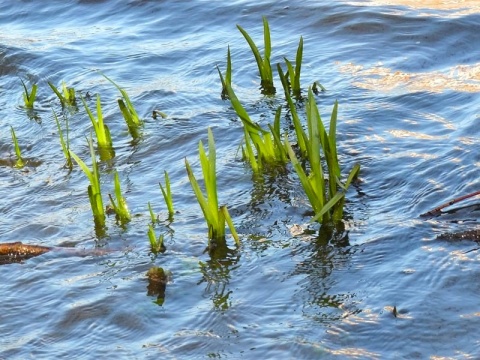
x: 407, y: 78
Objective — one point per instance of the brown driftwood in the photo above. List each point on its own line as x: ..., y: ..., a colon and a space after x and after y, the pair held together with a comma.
x: 17, y: 251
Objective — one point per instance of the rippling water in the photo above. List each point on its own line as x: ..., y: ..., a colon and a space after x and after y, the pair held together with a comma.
x: 407, y: 78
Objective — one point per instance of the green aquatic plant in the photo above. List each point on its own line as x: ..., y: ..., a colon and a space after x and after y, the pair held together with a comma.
x: 214, y: 215
x: 64, y: 142
x: 167, y: 195
x: 157, y: 113
x: 120, y: 206
x: 19, y: 163
x: 156, y: 243
x: 29, y: 96
x: 297, y: 125
x: 293, y: 73
x: 104, y: 140
x: 128, y: 110
x: 94, y: 190
x: 315, y: 87
x: 327, y: 202
x: 263, y: 63
x: 227, y: 79
x: 268, y: 145
x: 152, y: 214
x: 66, y: 95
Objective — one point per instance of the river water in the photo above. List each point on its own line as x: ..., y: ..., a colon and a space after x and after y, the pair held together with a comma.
x: 392, y: 285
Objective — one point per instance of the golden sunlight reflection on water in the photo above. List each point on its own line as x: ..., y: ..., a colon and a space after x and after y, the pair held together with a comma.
x: 458, y: 7
x: 464, y: 78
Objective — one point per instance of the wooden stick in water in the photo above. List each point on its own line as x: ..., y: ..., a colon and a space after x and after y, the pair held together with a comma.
x: 439, y: 209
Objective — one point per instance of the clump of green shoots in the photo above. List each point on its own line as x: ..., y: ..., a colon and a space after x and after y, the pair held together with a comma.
x: 66, y: 95
x: 214, y: 215
x: 94, y: 190
x: 293, y: 73
x: 64, y: 142
x: 263, y: 63
x: 156, y: 244
x: 29, y: 96
x: 104, y: 140
x: 167, y: 195
x: 328, y: 203
x: 19, y: 163
x: 120, y: 206
x: 128, y: 110
x: 227, y: 79
x: 268, y: 144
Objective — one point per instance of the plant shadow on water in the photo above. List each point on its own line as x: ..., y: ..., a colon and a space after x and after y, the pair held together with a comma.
x: 322, y: 257
x: 216, y: 274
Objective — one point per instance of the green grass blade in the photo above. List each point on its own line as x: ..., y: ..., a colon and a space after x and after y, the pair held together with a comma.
x: 134, y: 118
x: 59, y: 95
x: 29, y: 98
x: 300, y: 133
x: 101, y: 130
x: 167, y: 194
x: 152, y: 215
x: 242, y: 113
x: 266, y: 38
x: 229, y: 221
x: 316, y: 198
x: 330, y: 204
x: 156, y: 244
x: 19, y: 163
x: 228, y: 75
x: 120, y: 206
x: 207, y: 213
x: 298, y: 67
x: 65, y: 144
x: 256, y: 53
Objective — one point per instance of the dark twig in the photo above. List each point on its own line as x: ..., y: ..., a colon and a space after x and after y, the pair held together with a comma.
x: 439, y: 209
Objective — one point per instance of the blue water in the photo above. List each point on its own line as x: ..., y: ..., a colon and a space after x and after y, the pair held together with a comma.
x: 407, y: 78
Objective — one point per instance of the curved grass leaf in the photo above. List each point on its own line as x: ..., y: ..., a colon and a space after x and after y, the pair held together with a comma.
x: 167, y: 195
x: 19, y: 163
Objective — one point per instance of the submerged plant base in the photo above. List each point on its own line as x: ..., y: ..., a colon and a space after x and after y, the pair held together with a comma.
x: 157, y: 284
x: 267, y: 88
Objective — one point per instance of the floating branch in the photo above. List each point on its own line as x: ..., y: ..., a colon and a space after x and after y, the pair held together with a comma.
x: 438, y: 210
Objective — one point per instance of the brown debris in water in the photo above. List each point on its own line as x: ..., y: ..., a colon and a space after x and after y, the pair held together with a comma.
x: 472, y: 235
x: 17, y: 251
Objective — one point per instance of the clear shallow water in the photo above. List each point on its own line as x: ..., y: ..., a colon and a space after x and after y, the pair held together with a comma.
x: 407, y: 80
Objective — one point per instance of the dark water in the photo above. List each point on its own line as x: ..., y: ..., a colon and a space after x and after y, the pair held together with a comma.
x: 407, y: 77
